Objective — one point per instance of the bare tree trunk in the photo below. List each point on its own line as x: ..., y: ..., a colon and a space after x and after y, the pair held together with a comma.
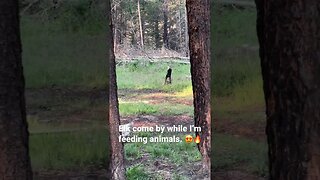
x: 165, y: 24
x: 180, y: 27
x: 288, y: 33
x: 186, y: 35
x: 199, y: 43
x: 115, y: 26
x: 157, y: 33
x: 117, y: 169
x: 14, y: 137
x: 140, y: 25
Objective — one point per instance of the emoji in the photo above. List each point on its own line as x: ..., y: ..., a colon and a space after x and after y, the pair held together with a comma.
x: 189, y: 139
x: 197, y: 139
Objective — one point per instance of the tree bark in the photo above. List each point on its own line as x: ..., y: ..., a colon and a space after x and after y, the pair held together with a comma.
x: 157, y: 33
x: 115, y: 26
x: 198, y: 13
x: 289, y: 33
x: 14, y: 153
x: 186, y: 35
x: 140, y: 26
x: 165, y: 24
x: 116, y: 166
x: 180, y: 27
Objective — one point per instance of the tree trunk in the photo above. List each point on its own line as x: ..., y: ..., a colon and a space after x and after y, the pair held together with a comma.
x: 288, y: 33
x: 180, y: 27
x: 165, y: 24
x: 116, y: 153
x: 14, y: 153
x: 186, y: 35
x: 140, y: 25
x: 115, y: 27
x: 157, y: 33
x: 198, y: 13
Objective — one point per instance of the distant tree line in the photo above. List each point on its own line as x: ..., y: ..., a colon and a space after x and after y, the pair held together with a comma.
x: 150, y: 24
x: 67, y: 15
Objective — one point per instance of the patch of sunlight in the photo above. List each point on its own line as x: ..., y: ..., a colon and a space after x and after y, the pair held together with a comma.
x: 122, y: 101
x: 186, y: 92
x: 156, y: 95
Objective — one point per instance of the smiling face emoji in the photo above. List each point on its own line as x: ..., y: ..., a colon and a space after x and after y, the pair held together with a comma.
x: 189, y: 139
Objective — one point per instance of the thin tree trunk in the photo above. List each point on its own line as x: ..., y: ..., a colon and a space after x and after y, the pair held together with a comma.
x: 140, y: 25
x: 288, y: 33
x: 199, y: 43
x: 186, y: 35
x: 117, y: 169
x: 180, y: 27
x: 115, y: 27
x: 14, y: 153
x: 165, y: 24
x: 157, y: 33
x: 121, y: 27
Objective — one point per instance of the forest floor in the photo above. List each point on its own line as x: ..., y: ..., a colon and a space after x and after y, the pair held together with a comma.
x: 67, y: 124
x: 57, y: 109
x: 229, y: 126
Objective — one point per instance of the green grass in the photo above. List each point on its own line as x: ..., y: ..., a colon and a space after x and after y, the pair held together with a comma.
x: 230, y: 152
x: 152, y: 76
x: 177, y: 153
x: 248, y: 97
x: 236, y: 73
x: 165, y: 109
x: 235, y: 60
x: 133, y: 151
x: 137, y: 109
x: 61, y: 58
x: 67, y: 151
x: 137, y: 172
x: 233, y: 27
x: 36, y: 125
x: 236, y: 88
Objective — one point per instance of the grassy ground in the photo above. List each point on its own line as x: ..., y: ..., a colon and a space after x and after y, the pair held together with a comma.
x: 238, y: 102
x: 70, y: 150
x: 139, y: 76
x: 62, y: 58
x: 66, y: 76
x: 239, y: 153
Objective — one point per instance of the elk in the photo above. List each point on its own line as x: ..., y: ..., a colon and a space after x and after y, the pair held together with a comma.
x: 168, y: 76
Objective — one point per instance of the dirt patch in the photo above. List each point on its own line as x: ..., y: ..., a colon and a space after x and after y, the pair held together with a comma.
x: 158, y: 98
x: 126, y: 92
x: 249, y: 130
x: 64, y: 105
x: 154, y: 97
x: 148, y: 120
x: 234, y: 175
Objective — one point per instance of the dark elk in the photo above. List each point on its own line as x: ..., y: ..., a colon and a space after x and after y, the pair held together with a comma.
x: 168, y: 76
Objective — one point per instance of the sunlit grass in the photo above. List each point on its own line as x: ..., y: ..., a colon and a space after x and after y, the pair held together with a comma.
x: 186, y: 92
x: 164, y: 109
x: 151, y: 76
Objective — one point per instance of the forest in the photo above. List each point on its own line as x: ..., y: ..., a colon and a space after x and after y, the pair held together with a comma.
x: 57, y: 75
x: 64, y: 61
x: 64, y: 46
